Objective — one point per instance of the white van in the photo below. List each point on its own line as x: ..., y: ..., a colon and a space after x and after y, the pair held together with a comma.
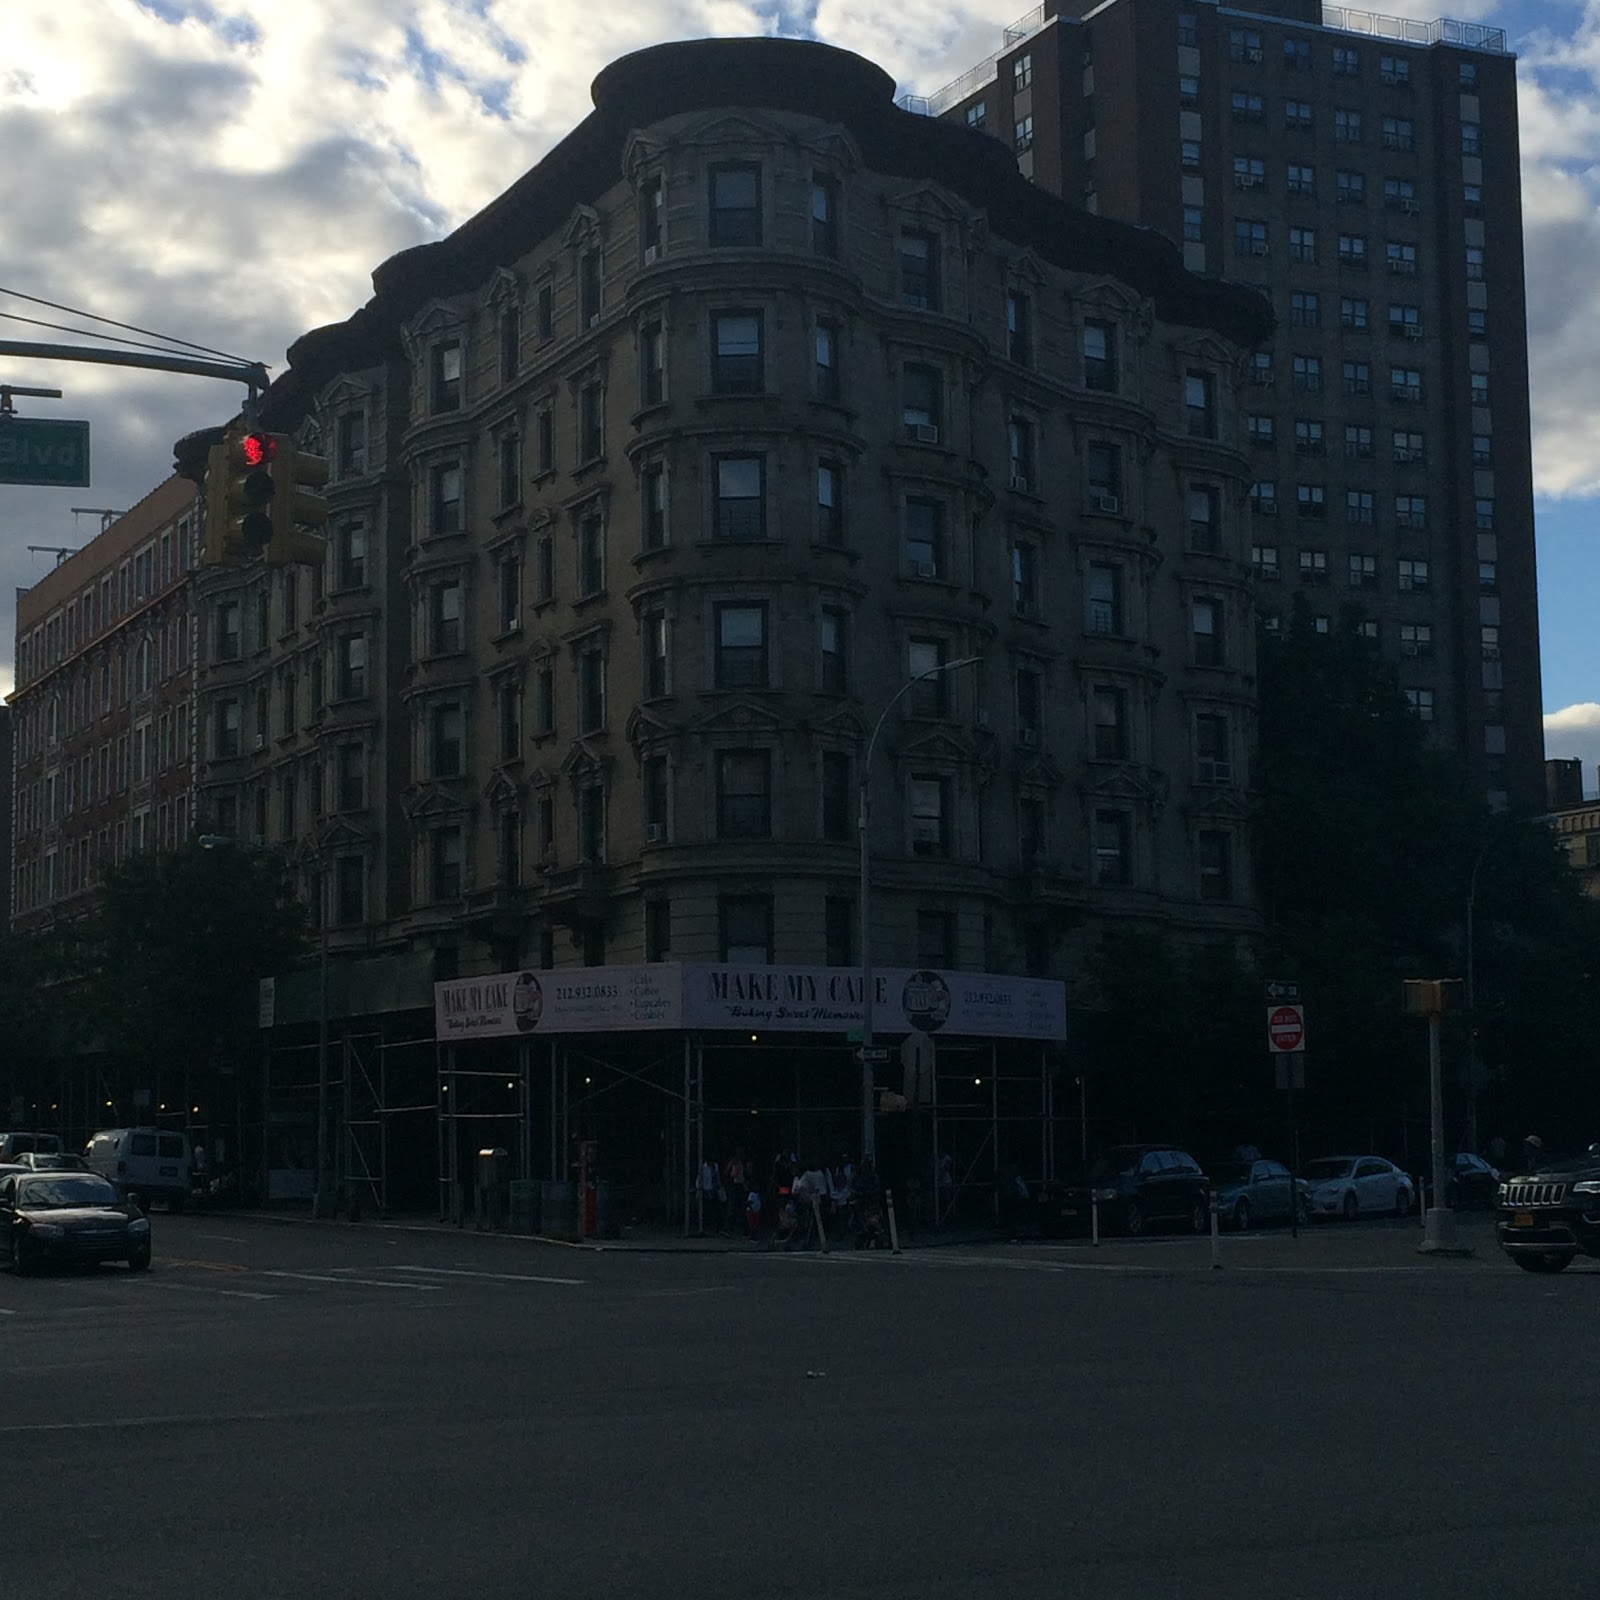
x: 13, y: 1145
x: 149, y: 1162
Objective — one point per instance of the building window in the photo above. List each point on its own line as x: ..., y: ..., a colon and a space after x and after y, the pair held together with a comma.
x: 1421, y: 702
x: 657, y: 787
x: 652, y: 217
x: 589, y: 287
x: 653, y: 507
x: 1194, y: 230
x: 1024, y: 578
x: 924, y: 537
x: 1471, y: 139
x: 544, y: 569
x: 445, y: 499
x: 1189, y: 154
x: 591, y: 423
x: 1311, y: 500
x: 1028, y: 688
x: 228, y: 635
x: 1100, y: 357
x: 656, y: 638
x: 545, y: 311
x: 544, y: 700
x: 1409, y: 447
x: 591, y: 689
x: 509, y: 718
x: 444, y: 618
x: 1245, y: 107
x: 836, y: 813
x: 1416, y: 639
x: 1102, y: 476
x: 1018, y: 327
x: 1188, y: 92
x: 1216, y: 865
x: 544, y: 438
x: 824, y: 216
x: 1474, y: 263
x: 1109, y: 712
x: 1022, y: 134
x: 508, y: 587
x: 1358, y: 506
x: 1302, y: 180
x: 930, y: 804
x: 1205, y: 516
x: 657, y: 930
x: 1412, y: 576
x: 1305, y: 309
x: 830, y: 503
x: 652, y: 364
x: 1346, y: 62
x: 1205, y: 621
x: 1307, y: 374
x: 1249, y: 172
x: 1261, y: 429
x: 1020, y: 434
x: 510, y: 330
x: 591, y: 554
x: 741, y: 647
x: 919, y: 269
x: 921, y: 402
x: 1363, y: 571
x: 1112, y: 847
x: 1303, y: 244
x: 445, y: 384
x: 744, y: 794
x: 350, y: 777
x: 977, y: 114
x: 735, y: 205
x: 1200, y: 403
x: 736, y: 361
x: 1250, y: 237
x: 1104, y: 611
x: 1357, y: 377
x: 1353, y: 314
x: 1264, y: 558
x: 834, y: 676
x: 444, y: 862
x: 226, y: 736
x: 1308, y: 437
x: 931, y: 695
x: 740, y: 510
x: 1394, y: 71
x: 446, y: 736
x: 745, y: 929
x: 1297, y: 116
x: 592, y: 829
x: 825, y: 346
x: 350, y: 656
x: 1398, y: 133
x: 350, y: 444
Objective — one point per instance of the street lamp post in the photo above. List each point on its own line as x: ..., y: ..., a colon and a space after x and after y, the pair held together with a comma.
x: 869, y: 1130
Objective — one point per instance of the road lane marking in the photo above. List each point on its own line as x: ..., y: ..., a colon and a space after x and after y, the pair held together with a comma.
x: 501, y: 1277
x: 206, y: 1288
x: 202, y: 1266
x: 666, y: 1294
x: 183, y: 1419
x: 228, y: 1238
x: 371, y: 1283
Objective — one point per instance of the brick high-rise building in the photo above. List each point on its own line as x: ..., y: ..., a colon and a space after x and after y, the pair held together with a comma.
x: 102, y: 707
x: 1363, y: 173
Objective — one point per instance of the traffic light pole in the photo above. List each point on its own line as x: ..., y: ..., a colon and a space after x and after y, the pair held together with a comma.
x: 250, y: 373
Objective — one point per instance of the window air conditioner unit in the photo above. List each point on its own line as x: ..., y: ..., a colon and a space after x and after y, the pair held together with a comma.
x: 925, y: 569
x: 651, y: 253
x: 983, y: 716
x: 594, y: 319
x: 1410, y: 207
x: 1413, y: 330
x: 1216, y: 772
x: 1105, y: 502
x: 1408, y: 647
x: 1252, y: 53
x: 925, y: 432
x: 1258, y: 247
x: 1019, y: 483
x: 655, y: 833
x: 261, y: 741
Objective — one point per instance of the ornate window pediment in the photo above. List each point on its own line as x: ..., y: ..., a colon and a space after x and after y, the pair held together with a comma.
x: 741, y: 717
x: 504, y: 288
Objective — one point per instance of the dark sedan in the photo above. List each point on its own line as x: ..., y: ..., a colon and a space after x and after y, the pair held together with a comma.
x: 69, y: 1216
x: 1134, y: 1186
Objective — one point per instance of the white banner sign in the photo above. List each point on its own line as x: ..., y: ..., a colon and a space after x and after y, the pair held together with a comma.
x: 715, y: 998
x: 562, y: 1000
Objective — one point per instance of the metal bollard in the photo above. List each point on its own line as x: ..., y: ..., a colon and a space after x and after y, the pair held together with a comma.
x: 1216, y: 1242
x: 1094, y: 1222
x: 894, y: 1232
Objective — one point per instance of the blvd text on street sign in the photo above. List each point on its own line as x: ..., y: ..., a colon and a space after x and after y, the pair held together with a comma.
x: 44, y: 452
x: 1286, y: 1029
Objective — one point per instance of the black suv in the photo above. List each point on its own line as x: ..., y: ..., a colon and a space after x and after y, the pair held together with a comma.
x: 1135, y: 1186
x: 1547, y: 1218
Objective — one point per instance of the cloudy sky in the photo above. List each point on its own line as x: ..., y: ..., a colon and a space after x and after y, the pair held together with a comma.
x: 231, y: 173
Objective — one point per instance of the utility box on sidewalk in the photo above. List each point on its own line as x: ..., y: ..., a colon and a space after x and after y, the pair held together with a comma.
x: 524, y: 1206
x: 493, y: 1172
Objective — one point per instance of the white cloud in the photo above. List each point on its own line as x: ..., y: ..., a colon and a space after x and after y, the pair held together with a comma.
x: 1573, y: 733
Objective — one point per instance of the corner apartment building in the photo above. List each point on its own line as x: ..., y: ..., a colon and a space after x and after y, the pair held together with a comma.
x: 103, y: 707
x: 657, y: 481
x: 1362, y: 172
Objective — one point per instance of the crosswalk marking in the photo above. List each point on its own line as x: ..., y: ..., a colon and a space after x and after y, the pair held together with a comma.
x: 370, y: 1283
x: 460, y: 1272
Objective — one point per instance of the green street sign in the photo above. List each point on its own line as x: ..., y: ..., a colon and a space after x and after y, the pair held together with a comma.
x: 45, y: 453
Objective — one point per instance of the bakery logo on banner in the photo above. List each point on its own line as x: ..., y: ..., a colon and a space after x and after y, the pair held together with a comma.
x: 926, y: 1001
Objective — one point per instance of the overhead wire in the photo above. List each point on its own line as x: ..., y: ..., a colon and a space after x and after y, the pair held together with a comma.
x: 62, y: 327
x: 131, y: 327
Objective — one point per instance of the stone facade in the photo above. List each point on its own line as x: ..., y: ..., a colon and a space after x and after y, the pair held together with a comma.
x: 656, y: 483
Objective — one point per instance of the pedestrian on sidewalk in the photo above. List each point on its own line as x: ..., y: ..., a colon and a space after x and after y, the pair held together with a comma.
x: 711, y: 1196
x: 735, y: 1186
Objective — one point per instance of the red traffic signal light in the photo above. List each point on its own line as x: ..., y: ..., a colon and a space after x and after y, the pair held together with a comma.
x: 258, y: 449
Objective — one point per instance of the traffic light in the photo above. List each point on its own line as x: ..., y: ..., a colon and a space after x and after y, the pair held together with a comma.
x: 239, y: 495
x: 298, y: 510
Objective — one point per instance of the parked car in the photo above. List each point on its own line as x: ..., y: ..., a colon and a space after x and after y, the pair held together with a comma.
x: 1545, y: 1218
x: 1473, y: 1183
x: 1352, y: 1186
x: 1135, y: 1186
x: 51, y: 1161
x: 1248, y: 1192
x: 69, y: 1216
x: 148, y: 1162
x: 13, y: 1145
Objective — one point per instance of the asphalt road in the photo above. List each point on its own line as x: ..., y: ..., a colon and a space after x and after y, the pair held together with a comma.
x: 320, y: 1410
